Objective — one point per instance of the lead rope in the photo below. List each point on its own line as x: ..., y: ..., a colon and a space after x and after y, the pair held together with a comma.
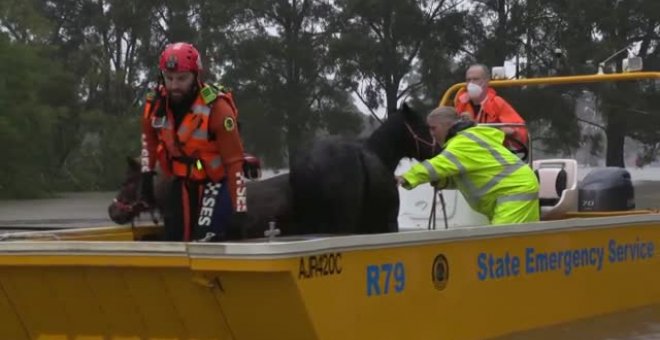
x: 431, y: 223
x: 418, y: 140
x: 444, y: 210
x: 437, y: 192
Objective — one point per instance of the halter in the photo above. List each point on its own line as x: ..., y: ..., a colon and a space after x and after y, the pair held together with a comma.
x: 436, y: 191
x: 134, y: 209
x: 123, y: 206
x: 419, y: 140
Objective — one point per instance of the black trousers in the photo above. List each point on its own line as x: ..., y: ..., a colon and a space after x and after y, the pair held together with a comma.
x: 197, y: 211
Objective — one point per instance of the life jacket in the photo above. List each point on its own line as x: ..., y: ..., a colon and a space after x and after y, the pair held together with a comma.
x: 188, y: 152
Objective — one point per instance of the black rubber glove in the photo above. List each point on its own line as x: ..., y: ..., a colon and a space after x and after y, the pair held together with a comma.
x: 147, y: 195
x: 251, y: 166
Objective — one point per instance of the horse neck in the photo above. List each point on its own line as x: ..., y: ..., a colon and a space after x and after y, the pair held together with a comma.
x: 389, y: 150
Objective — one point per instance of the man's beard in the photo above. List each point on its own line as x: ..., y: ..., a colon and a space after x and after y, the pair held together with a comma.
x: 180, y: 97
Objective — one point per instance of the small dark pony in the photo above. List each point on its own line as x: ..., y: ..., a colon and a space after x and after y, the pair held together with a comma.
x: 343, y: 186
x: 268, y: 200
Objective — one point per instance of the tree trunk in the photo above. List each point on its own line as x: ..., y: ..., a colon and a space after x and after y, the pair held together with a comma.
x: 391, y: 94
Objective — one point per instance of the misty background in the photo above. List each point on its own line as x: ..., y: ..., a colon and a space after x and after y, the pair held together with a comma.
x: 73, y: 74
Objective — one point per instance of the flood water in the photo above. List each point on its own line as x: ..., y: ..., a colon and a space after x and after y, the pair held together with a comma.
x: 638, y: 324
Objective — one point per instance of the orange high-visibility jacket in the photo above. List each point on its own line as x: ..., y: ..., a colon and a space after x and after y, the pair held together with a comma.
x: 494, y: 109
x: 206, y: 145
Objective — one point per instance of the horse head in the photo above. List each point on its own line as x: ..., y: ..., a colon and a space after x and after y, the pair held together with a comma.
x: 126, y: 206
x: 404, y: 134
x: 419, y: 142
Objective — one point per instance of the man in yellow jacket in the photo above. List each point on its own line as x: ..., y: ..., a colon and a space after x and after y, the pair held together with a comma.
x: 493, y: 180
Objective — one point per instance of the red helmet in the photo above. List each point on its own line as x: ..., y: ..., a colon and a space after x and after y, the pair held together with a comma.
x: 180, y: 57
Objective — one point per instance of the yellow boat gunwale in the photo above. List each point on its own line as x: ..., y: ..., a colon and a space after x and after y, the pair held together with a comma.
x: 282, y: 249
x: 561, y: 80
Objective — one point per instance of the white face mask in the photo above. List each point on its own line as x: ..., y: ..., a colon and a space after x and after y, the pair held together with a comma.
x: 474, y: 91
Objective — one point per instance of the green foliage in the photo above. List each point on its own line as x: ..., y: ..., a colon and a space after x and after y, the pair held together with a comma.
x: 74, y: 73
x: 98, y: 163
x: 28, y: 119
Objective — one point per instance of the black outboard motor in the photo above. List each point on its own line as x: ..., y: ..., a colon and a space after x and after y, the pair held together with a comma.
x: 606, y: 189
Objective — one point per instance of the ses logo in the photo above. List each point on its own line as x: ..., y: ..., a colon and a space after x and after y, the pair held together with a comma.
x: 510, y: 264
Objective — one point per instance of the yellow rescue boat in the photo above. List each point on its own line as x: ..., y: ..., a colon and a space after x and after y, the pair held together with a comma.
x: 472, y: 282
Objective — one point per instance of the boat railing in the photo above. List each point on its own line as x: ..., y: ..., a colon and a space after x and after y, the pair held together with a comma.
x: 527, y: 145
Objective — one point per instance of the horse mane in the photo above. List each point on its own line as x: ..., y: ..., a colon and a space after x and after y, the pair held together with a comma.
x: 392, y: 140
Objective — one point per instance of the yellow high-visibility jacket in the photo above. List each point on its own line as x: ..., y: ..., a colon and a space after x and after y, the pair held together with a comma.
x: 493, y: 180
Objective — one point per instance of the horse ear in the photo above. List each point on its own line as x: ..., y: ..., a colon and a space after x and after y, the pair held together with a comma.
x: 405, y: 107
x: 408, y: 113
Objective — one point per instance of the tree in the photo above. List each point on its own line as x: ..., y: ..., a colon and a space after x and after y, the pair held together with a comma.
x: 590, y: 32
x: 379, y: 43
x: 279, y: 68
x: 29, y: 116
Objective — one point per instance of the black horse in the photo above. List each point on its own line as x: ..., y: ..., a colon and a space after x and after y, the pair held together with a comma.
x: 335, y: 186
x: 347, y: 187
x: 267, y: 200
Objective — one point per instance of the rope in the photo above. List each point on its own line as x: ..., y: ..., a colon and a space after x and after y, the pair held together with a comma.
x: 431, y: 223
x: 444, y: 209
x: 26, y: 235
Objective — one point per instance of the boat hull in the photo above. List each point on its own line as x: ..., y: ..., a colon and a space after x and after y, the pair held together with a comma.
x: 472, y: 283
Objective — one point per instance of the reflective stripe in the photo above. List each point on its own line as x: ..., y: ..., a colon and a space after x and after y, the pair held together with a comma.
x: 197, y: 134
x: 462, y: 179
x: 433, y: 175
x: 183, y: 130
x: 160, y: 122
x: 450, y: 156
x: 216, y: 162
x: 518, y: 197
x: 507, y: 170
x: 189, y: 140
x: 200, y: 134
x: 486, y: 146
x: 201, y: 109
